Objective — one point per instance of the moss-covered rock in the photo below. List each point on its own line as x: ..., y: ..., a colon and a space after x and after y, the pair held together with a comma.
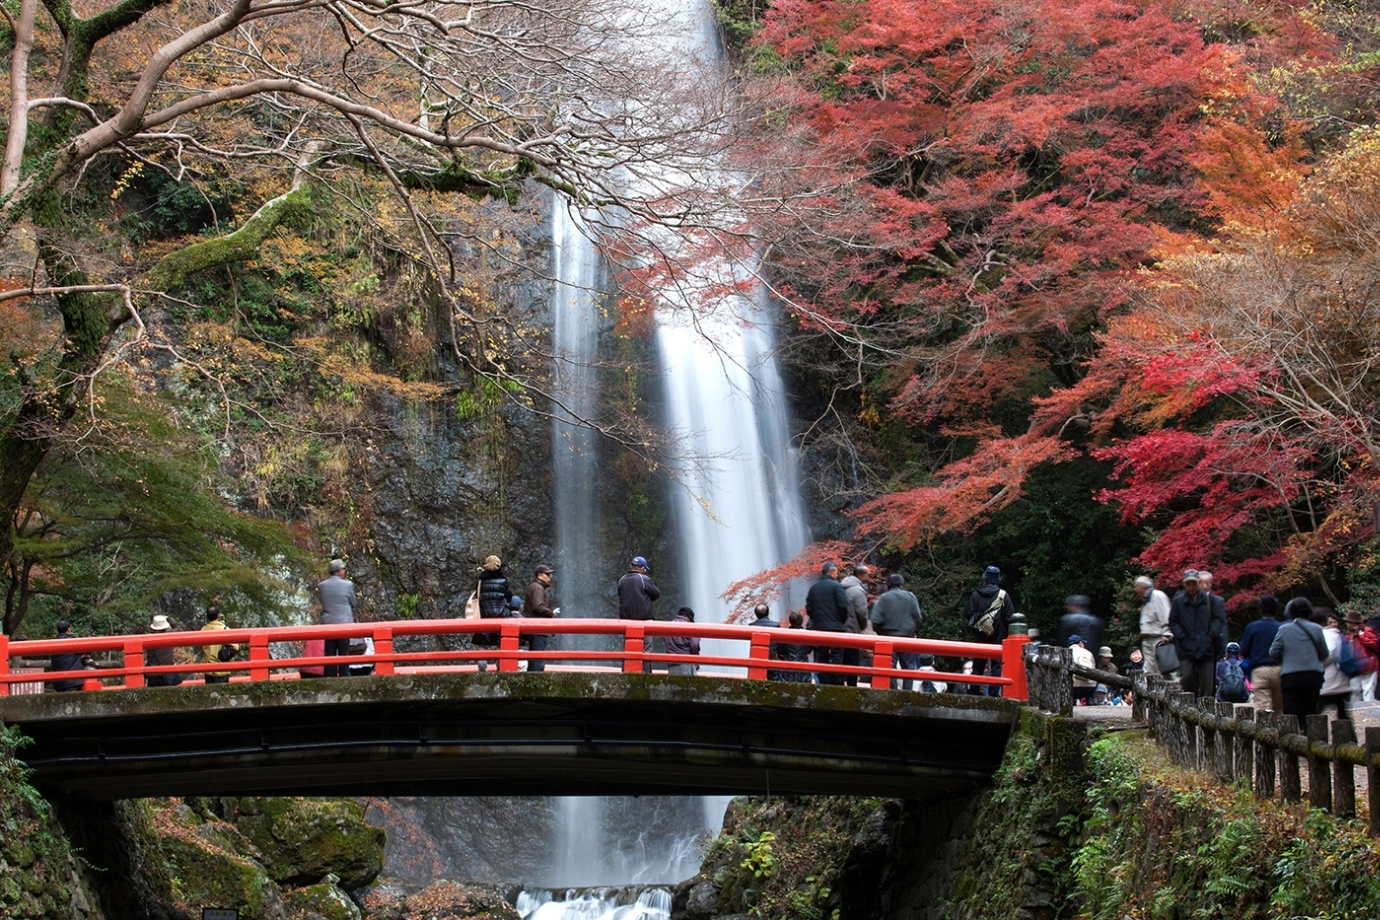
x: 206, y: 863
x: 325, y: 901
x: 812, y: 857
x: 40, y: 877
x: 302, y: 840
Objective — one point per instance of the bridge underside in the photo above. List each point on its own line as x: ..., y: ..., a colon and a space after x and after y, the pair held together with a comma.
x: 509, y: 734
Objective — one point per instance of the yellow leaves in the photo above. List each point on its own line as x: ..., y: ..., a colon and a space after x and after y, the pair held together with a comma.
x: 133, y: 172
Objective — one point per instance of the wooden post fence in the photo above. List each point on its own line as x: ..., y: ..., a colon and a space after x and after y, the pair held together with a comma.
x: 1266, y: 751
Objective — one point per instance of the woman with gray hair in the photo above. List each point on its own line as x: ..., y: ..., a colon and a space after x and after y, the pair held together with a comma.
x: 1301, y: 650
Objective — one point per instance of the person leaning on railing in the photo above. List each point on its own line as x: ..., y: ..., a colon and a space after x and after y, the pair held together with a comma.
x: 211, y: 654
x: 161, y: 657
x: 793, y: 651
x: 68, y: 661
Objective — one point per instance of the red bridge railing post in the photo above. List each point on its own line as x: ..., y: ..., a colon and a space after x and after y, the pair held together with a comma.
x: 4, y: 664
x: 1013, y: 666
x: 882, y: 656
x: 633, y: 646
x: 134, y: 660
x: 258, y: 657
x: 508, y: 641
x: 383, y: 645
x: 760, y: 650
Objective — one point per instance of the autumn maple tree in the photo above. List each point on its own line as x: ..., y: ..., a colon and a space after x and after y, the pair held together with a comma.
x: 979, y: 200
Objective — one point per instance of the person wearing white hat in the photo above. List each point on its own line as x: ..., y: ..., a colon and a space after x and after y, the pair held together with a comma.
x: 161, y: 657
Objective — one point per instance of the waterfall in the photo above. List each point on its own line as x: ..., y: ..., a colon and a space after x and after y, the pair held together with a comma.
x: 736, y: 504
x: 579, y: 274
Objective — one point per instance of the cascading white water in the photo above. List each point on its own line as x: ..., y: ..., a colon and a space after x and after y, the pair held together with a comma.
x: 595, y: 904
x: 737, y: 505
x: 579, y: 274
x: 739, y: 509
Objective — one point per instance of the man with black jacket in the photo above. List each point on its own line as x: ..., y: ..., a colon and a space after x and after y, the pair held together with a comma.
x: 636, y: 594
x: 826, y: 603
x: 1198, y: 621
x: 68, y: 661
x: 989, y: 606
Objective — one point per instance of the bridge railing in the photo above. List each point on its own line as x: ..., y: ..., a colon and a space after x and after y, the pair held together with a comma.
x: 630, y: 650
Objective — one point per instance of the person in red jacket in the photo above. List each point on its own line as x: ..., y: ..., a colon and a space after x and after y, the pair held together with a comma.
x: 1363, y: 685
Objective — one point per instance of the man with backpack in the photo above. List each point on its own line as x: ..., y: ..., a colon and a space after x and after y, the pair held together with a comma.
x: 989, y: 611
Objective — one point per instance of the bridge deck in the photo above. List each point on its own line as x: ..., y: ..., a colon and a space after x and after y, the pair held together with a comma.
x: 510, y: 734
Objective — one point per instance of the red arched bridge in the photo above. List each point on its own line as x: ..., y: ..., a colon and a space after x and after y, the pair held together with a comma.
x: 428, y: 721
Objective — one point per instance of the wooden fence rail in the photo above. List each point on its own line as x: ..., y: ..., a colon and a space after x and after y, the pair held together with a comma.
x: 1234, y: 742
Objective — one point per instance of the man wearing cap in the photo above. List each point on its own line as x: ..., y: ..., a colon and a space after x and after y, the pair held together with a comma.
x: 1260, y: 669
x: 989, y: 604
x: 1104, y: 659
x: 1154, y: 621
x: 1198, y: 621
x: 537, y: 603
x: 636, y: 592
x: 897, y: 613
x: 826, y: 604
x: 161, y: 657
x: 1082, y: 686
x: 338, y: 603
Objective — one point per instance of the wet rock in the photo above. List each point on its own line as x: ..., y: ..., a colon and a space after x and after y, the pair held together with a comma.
x: 325, y: 901
x: 485, y: 840
x: 302, y: 840
x: 703, y: 900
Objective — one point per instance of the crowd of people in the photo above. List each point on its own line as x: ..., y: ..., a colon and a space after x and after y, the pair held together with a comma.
x: 1307, y: 661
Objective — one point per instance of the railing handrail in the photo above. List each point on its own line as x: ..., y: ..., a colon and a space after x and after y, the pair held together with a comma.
x: 526, y: 626
x: 633, y: 655
x: 1237, y: 742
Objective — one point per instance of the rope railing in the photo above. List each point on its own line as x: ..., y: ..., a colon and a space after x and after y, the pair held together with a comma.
x: 1268, y: 751
x: 630, y: 640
